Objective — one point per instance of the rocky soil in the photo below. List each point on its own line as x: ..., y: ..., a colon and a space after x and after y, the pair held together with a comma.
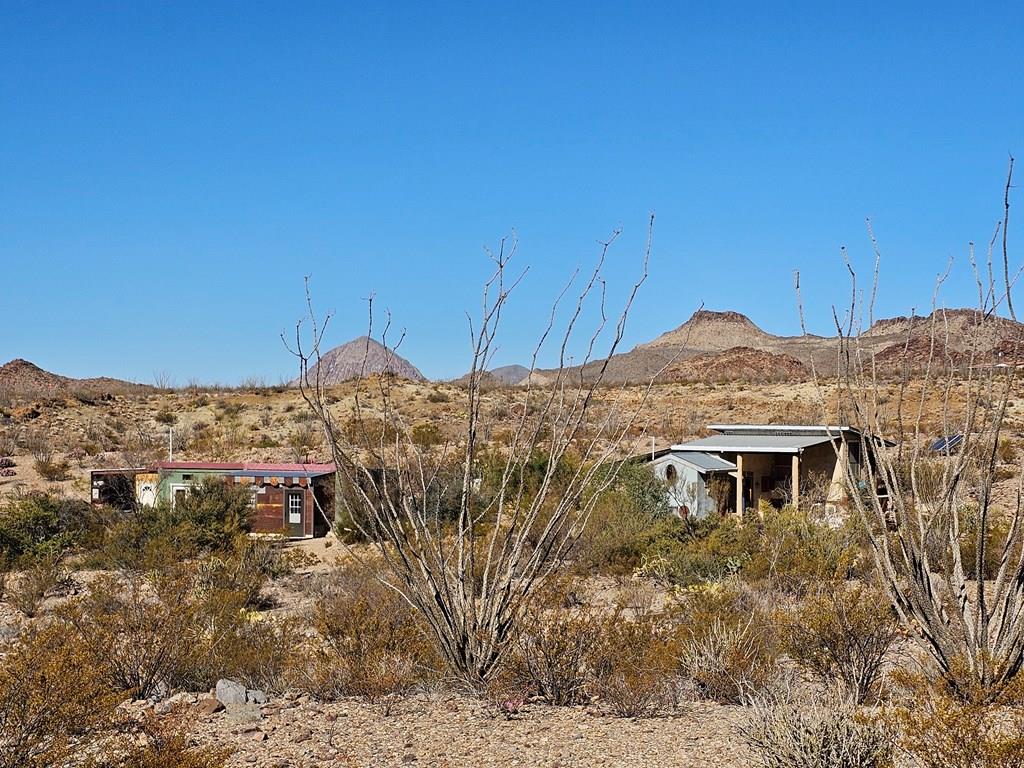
x: 450, y: 731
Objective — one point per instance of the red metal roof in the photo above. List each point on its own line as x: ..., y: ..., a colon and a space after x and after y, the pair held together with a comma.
x: 255, y: 468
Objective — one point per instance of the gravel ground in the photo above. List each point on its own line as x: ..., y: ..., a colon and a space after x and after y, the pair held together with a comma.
x: 451, y: 731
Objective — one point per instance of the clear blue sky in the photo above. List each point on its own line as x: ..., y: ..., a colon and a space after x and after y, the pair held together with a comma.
x: 169, y: 172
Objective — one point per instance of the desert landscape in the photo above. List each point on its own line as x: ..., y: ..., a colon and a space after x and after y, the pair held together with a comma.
x: 554, y: 385
x: 737, y: 612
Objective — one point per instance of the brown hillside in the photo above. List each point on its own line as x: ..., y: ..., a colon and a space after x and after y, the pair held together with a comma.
x: 23, y: 377
x: 711, y: 331
x: 738, y: 364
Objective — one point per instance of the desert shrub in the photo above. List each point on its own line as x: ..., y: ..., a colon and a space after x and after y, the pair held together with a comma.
x: 166, y: 416
x: 38, y: 577
x: 137, y: 632
x: 997, y: 532
x: 53, y: 702
x: 53, y: 470
x: 729, y: 648
x: 163, y: 743
x: 843, y: 634
x: 208, y: 518
x: 303, y: 439
x: 427, y: 434
x: 7, y: 463
x: 247, y: 566
x: 56, y: 708
x: 942, y: 730
x: 634, y: 664
x: 244, y: 645
x: 629, y: 524
x: 1007, y: 451
x: 38, y: 523
x: 788, y: 731
x: 797, y: 550
x: 708, y: 550
x: 368, y: 641
x: 212, y: 518
x: 153, y: 635
x: 553, y: 651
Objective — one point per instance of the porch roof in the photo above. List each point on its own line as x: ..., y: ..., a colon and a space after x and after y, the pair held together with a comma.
x: 704, y: 462
x: 753, y: 443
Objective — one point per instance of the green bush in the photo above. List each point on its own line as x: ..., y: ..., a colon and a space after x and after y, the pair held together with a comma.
x: 630, y: 522
x: 40, y: 524
x: 795, y: 550
x: 209, y: 519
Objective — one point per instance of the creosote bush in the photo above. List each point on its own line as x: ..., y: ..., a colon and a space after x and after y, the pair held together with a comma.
x: 39, y: 575
x: 554, y: 651
x: 940, y: 728
x: 843, y: 634
x: 209, y: 519
x: 39, y: 524
x: 635, y: 665
x: 368, y: 641
x: 57, y: 709
x: 171, y: 631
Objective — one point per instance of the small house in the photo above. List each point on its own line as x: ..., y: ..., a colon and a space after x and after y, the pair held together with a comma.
x: 296, y: 499
x: 744, y: 465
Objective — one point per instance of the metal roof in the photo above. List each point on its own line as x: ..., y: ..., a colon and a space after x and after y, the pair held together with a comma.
x: 244, y: 468
x: 781, y: 429
x: 753, y: 443
x: 704, y: 462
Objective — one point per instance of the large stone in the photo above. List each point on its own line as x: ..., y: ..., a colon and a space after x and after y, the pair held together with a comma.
x: 230, y: 693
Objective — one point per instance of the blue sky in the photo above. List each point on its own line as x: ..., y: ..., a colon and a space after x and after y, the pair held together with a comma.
x: 170, y: 172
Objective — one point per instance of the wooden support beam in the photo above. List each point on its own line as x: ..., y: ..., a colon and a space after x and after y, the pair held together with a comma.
x: 796, y: 481
x: 739, y: 485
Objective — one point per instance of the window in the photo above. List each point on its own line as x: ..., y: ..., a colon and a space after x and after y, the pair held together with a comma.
x: 671, y: 475
x: 295, y: 508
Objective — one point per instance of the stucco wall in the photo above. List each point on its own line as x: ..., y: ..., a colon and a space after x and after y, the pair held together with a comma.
x: 689, y: 490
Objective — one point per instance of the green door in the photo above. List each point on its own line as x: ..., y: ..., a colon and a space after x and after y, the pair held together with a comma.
x: 294, y: 513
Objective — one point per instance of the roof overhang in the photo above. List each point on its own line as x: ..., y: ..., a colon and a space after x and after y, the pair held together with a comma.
x: 754, y: 443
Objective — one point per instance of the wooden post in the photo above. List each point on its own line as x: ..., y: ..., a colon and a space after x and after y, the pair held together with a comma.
x: 796, y: 481
x: 739, y: 485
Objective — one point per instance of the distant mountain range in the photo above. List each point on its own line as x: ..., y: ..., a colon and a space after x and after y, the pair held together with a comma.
x: 715, y: 346
x: 710, y: 346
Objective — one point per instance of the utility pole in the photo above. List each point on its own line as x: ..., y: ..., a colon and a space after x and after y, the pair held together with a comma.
x: 170, y: 443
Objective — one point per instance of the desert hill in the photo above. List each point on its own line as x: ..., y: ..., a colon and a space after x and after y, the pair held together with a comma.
x: 709, y: 331
x: 361, y: 357
x: 510, y: 374
x: 23, y: 377
x: 505, y: 376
